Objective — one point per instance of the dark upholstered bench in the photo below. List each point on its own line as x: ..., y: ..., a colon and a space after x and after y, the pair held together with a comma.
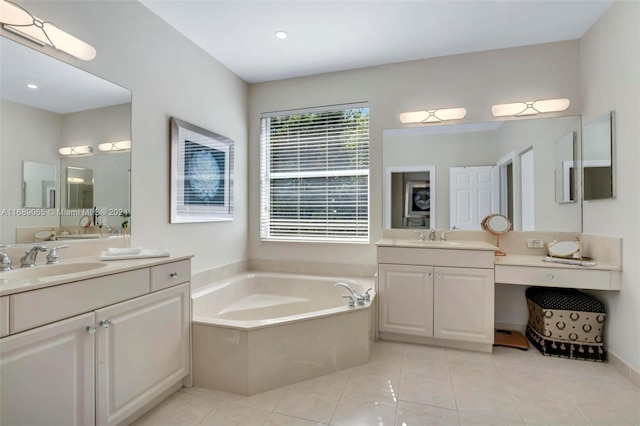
x: 566, y: 323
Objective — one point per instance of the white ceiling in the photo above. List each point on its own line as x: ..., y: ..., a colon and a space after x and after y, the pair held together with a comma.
x: 62, y: 88
x: 333, y: 35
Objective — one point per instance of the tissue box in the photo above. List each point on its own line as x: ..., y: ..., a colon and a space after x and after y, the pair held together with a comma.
x: 566, y: 323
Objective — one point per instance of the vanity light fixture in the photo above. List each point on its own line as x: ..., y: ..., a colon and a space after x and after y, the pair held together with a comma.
x: 530, y: 108
x: 281, y: 34
x: 75, y: 180
x: 19, y: 21
x: 76, y: 150
x: 32, y: 86
x: 432, y: 116
x: 115, y: 146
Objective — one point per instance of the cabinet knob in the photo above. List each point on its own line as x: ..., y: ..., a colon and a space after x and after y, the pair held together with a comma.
x: 437, y: 275
x: 552, y: 277
x: 430, y: 274
x: 91, y: 329
x: 106, y: 323
x: 174, y: 275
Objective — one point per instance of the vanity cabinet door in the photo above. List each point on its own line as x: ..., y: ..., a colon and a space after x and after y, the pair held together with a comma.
x: 142, y: 350
x: 405, y: 297
x: 47, y: 375
x: 463, y: 304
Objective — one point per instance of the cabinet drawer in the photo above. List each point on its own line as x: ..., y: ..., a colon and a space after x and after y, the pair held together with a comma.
x: 34, y: 308
x: 554, y: 277
x: 170, y: 274
x: 4, y: 316
x: 436, y: 257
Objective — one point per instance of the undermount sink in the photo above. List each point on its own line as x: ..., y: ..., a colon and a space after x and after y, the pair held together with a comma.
x: 50, y: 270
x: 427, y: 243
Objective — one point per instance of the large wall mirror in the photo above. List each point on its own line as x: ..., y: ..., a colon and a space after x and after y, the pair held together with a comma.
x: 524, y: 169
x: 39, y: 187
x: 597, y: 158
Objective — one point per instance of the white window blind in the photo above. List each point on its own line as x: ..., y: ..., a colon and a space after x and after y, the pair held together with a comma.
x: 314, y: 172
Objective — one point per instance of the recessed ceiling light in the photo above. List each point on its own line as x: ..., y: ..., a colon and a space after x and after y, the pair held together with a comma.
x: 32, y: 86
x: 281, y: 34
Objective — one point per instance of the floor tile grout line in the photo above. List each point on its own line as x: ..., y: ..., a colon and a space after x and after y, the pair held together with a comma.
x: 336, y: 407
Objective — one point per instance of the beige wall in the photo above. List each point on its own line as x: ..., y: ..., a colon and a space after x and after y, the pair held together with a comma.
x: 474, y: 81
x: 168, y: 76
x: 26, y: 146
x: 610, y: 81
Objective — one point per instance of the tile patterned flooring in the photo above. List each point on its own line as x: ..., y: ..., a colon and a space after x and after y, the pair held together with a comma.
x: 411, y: 385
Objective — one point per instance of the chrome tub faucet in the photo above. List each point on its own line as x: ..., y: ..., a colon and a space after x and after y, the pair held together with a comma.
x: 358, y: 297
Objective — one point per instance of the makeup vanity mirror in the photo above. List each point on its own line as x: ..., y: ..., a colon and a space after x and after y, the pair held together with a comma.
x: 496, y: 225
x: 69, y: 107
x: 508, y: 167
x: 597, y: 159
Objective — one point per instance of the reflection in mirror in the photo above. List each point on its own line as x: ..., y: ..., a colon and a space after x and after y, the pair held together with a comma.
x: 411, y: 191
x: 70, y: 107
x: 79, y: 188
x: 597, y: 164
x: 510, y: 165
x: 566, y: 168
x: 39, y: 184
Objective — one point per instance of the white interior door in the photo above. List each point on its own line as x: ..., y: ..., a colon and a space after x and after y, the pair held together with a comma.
x: 474, y: 193
x: 527, y: 182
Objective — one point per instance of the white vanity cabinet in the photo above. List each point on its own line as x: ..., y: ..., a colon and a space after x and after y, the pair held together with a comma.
x: 142, y: 347
x: 442, y: 296
x: 106, y: 363
x: 4, y: 316
x: 405, y: 299
x: 463, y: 307
x: 47, y: 375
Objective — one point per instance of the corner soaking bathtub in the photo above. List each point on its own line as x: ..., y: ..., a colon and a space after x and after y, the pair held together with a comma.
x: 258, y: 331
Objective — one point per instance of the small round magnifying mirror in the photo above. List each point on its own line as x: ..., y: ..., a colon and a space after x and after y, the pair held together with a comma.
x: 496, y: 225
x: 85, y: 221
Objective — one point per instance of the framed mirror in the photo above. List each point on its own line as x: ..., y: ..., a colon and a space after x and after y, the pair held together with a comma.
x: 69, y: 107
x: 598, y: 168
x: 506, y: 167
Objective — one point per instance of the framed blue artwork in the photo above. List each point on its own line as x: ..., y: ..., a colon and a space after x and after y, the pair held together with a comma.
x: 201, y: 174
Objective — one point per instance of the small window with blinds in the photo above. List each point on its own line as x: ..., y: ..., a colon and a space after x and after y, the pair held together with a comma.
x: 314, y: 173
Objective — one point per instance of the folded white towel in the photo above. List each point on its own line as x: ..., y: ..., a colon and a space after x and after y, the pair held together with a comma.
x: 120, y: 251
x: 576, y: 262
x: 158, y: 252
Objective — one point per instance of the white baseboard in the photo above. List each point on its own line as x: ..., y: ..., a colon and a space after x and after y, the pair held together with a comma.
x: 620, y: 365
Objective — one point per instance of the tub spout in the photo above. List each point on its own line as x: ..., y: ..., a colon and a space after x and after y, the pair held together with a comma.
x: 359, y: 298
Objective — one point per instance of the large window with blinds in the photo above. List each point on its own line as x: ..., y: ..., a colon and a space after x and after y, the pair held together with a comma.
x: 314, y: 173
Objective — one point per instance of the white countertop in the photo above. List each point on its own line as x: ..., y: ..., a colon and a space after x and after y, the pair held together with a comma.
x: 446, y: 245
x: 536, y: 261
x: 10, y: 286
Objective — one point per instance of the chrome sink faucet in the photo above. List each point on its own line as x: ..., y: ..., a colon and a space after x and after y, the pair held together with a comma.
x: 358, y: 297
x: 421, y: 236
x: 443, y: 236
x: 5, y: 262
x: 29, y: 259
x: 432, y: 234
x: 53, y: 256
